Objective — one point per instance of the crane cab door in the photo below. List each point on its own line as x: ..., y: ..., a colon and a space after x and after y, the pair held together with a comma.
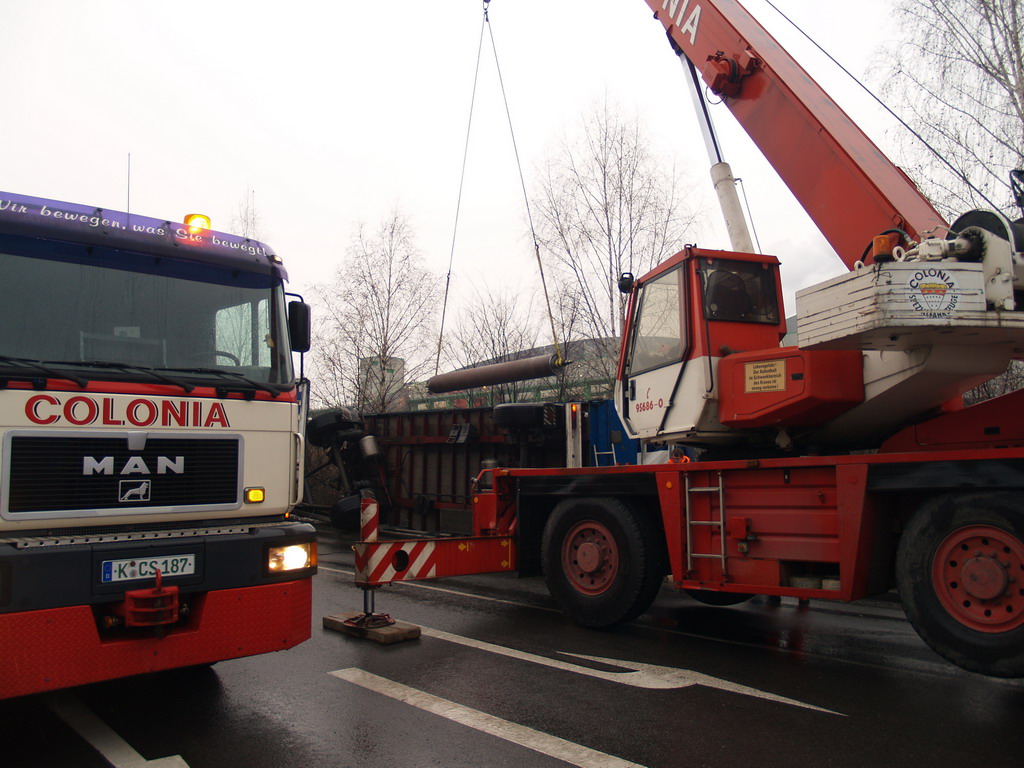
x: 706, y: 305
x: 655, y: 353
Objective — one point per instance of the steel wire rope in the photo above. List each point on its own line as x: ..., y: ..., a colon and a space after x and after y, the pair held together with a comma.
x: 750, y: 216
x: 486, y: 24
x: 559, y: 360
x: 462, y: 181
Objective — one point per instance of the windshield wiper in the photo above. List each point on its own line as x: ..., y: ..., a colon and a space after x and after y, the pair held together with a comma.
x: 137, y: 369
x: 275, y: 391
x: 51, y: 373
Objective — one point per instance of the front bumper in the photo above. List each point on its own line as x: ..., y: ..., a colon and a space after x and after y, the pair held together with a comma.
x: 61, y: 615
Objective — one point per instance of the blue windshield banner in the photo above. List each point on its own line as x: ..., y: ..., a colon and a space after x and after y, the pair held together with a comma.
x: 54, y: 220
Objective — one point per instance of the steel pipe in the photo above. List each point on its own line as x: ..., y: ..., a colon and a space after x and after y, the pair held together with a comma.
x: 498, y: 373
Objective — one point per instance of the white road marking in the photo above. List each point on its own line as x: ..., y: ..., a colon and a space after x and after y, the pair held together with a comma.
x: 101, y: 736
x: 939, y: 669
x: 639, y: 675
x: 553, y: 746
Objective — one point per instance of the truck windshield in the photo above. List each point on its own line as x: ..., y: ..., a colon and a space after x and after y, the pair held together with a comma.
x: 76, y: 307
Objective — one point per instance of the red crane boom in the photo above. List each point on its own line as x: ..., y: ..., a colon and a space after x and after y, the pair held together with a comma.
x: 849, y: 188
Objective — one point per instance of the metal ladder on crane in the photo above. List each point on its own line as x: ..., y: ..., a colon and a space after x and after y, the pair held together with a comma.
x: 690, y: 522
x: 598, y: 454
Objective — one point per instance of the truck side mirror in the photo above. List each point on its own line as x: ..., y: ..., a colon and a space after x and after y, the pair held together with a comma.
x: 299, y: 325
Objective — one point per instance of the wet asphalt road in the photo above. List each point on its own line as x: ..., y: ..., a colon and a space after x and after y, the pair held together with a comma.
x: 498, y: 680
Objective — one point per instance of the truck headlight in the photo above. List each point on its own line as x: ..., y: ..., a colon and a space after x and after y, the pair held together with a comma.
x: 293, y: 557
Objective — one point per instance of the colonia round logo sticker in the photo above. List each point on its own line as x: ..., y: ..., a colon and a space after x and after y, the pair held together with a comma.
x: 933, y: 292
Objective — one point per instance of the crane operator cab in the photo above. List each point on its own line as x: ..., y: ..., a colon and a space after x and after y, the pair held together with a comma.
x: 701, y: 361
x: 684, y: 316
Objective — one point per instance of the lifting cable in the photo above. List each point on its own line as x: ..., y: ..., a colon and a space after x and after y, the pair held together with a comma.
x: 486, y: 24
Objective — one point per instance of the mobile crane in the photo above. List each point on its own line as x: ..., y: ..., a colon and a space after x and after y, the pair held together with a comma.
x: 834, y: 468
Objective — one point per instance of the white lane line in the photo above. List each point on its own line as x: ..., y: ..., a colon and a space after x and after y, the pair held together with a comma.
x: 101, y: 736
x: 636, y: 674
x: 457, y: 592
x: 560, y: 749
x: 938, y: 670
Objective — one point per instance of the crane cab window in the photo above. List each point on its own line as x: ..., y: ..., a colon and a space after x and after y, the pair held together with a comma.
x: 739, y: 291
x: 658, y: 339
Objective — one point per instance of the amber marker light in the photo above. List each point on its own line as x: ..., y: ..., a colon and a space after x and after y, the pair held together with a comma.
x: 255, y: 495
x: 197, y: 222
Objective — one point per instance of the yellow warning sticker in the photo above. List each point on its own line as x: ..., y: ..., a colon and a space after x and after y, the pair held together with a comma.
x: 765, y: 376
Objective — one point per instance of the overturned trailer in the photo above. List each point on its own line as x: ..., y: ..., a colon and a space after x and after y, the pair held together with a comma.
x: 420, y: 465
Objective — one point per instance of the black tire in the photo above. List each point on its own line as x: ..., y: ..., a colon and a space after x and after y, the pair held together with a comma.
x: 345, y: 513
x: 517, y: 416
x: 960, y: 572
x: 324, y: 429
x: 603, y: 562
x: 710, y: 597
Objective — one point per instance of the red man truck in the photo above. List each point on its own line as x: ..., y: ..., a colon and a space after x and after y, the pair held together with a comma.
x: 150, y: 447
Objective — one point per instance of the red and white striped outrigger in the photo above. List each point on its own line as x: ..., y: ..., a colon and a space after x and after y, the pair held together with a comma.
x: 384, y: 562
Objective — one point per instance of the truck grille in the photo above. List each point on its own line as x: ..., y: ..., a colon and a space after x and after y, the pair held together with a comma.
x: 63, y: 474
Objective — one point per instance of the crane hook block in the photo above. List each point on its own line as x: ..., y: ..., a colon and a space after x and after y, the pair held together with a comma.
x: 497, y: 373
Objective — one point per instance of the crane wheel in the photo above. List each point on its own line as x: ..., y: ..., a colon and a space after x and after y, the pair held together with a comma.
x: 603, y: 562
x: 960, y: 572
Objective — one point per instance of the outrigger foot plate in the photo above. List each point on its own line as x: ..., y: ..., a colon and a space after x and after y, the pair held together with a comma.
x: 378, y: 627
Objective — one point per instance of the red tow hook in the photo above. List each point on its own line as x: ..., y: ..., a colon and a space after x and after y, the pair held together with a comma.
x: 152, y: 607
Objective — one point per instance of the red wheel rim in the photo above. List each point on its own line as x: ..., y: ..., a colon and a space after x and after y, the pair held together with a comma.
x: 978, y: 575
x: 590, y: 557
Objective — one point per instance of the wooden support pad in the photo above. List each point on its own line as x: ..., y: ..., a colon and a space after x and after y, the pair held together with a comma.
x: 392, y: 633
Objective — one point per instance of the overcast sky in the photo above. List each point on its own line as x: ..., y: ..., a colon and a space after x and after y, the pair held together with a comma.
x: 336, y: 112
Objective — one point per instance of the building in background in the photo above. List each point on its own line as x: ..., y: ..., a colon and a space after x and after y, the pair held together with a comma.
x: 382, y: 386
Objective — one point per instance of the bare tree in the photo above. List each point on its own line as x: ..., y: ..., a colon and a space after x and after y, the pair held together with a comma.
x: 593, y: 360
x: 376, y: 325
x: 606, y: 205
x: 1010, y: 380
x: 247, y: 221
x: 494, y: 327
x: 958, y: 76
